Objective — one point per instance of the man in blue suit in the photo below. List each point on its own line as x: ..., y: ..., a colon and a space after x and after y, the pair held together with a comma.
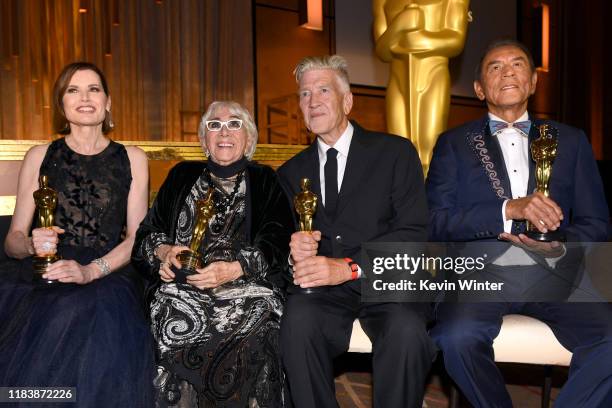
x: 480, y: 188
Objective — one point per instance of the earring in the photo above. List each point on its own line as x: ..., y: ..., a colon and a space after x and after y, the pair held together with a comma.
x: 109, y: 119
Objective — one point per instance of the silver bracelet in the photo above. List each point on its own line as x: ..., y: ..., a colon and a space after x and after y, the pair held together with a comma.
x: 103, y: 265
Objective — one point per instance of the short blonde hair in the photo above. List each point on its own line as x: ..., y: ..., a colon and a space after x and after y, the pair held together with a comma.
x: 334, y: 62
x: 239, y: 111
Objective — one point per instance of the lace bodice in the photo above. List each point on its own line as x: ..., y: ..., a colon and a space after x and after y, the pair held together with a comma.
x: 92, y: 194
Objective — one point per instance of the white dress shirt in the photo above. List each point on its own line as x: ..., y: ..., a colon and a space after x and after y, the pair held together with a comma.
x: 342, y: 145
x: 515, y: 148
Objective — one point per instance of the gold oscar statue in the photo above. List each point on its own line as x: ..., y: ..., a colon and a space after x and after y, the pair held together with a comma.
x: 418, y: 37
x: 544, y: 152
x: 45, y: 199
x: 190, y: 259
x: 305, y: 203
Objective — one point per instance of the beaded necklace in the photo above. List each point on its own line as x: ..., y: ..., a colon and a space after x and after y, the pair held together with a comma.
x: 223, y: 201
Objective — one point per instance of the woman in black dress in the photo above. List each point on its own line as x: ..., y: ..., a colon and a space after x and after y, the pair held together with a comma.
x: 88, y: 330
x: 217, y: 333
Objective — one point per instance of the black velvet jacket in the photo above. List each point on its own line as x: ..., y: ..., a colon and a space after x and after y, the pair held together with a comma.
x: 269, y: 220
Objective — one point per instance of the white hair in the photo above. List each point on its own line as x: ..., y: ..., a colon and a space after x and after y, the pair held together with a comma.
x: 239, y: 111
x: 334, y: 62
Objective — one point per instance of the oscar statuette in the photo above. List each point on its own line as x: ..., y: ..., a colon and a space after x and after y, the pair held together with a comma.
x: 45, y: 199
x: 190, y: 259
x: 305, y: 203
x: 544, y: 152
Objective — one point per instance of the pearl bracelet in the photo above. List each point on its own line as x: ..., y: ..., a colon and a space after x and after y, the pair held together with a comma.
x: 103, y: 265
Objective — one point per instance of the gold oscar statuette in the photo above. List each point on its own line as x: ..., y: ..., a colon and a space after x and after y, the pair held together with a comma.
x: 305, y: 203
x: 45, y: 199
x: 190, y: 259
x: 544, y: 151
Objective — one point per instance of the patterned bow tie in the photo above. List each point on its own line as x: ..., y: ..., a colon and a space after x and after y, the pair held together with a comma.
x: 497, y: 126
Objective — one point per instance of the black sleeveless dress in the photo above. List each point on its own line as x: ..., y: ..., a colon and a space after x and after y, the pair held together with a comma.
x: 93, y: 337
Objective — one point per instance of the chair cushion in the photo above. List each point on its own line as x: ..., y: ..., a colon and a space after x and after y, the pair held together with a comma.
x: 360, y: 342
x: 523, y: 339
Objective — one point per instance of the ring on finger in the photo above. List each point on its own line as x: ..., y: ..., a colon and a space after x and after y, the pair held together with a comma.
x: 47, y: 246
x: 542, y: 222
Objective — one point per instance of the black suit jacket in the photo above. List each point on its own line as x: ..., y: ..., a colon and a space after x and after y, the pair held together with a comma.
x: 382, y: 197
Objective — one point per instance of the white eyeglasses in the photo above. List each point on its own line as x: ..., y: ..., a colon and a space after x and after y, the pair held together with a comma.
x: 216, y: 125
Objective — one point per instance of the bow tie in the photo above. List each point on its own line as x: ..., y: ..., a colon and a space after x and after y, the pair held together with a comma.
x: 497, y: 126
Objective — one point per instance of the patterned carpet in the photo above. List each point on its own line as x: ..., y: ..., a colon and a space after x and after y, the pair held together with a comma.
x: 354, y: 384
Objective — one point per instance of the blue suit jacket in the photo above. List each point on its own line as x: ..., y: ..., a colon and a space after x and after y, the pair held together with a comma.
x: 467, y: 185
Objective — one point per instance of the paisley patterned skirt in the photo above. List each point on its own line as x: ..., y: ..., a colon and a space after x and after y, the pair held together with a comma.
x: 218, y: 348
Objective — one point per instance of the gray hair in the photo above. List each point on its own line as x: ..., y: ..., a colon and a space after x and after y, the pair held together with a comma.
x: 239, y: 111
x: 334, y: 62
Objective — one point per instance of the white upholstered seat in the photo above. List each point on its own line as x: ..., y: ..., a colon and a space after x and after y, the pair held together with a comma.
x: 522, y: 339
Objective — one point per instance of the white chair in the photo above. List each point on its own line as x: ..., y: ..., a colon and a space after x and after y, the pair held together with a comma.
x: 526, y: 340
x: 522, y: 339
x: 360, y: 342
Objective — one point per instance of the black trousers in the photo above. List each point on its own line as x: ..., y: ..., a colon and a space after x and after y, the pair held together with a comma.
x: 316, y: 328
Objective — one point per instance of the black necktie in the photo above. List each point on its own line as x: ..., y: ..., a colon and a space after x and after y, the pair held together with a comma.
x: 331, y: 182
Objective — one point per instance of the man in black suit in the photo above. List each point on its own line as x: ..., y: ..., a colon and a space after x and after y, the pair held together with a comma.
x: 371, y: 189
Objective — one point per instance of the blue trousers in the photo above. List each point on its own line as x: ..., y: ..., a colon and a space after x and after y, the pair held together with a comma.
x: 465, y: 332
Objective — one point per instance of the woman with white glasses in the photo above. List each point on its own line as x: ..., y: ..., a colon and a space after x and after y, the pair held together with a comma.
x: 217, y: 329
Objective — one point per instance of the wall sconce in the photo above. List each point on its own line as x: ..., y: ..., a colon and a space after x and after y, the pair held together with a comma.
x: 311, y: 14
x: 83, y: 6
x: 541, y: 31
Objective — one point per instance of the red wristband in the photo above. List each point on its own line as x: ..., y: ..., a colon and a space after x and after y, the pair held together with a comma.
x: 354, y: 268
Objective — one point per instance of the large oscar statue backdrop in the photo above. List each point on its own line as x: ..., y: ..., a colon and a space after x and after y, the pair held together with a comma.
x: 417, y: 37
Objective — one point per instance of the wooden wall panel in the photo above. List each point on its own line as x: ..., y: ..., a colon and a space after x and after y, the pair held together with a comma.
x: 280, y: 44
x: 165, y: 61
x: 464, y: 109
x: 369, y: 108
x: 281, y: 4
x: 607, y: 93
x: 546, y: 103
x: 294, y: 5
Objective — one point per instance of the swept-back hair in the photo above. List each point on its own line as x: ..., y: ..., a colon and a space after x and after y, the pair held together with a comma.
x: 333, y: 62
x: 60, y: 123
